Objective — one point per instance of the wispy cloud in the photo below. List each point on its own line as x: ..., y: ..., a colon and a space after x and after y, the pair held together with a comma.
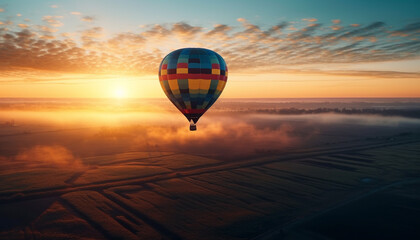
x: 310, y: 19
x: 53, y: 20
x: 46, y: 29
x: 412, y: 29
x: 21, y: 25
x: 87, y: 19
x: 335, y: 28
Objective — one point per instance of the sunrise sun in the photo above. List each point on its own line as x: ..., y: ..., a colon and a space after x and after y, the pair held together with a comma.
x: 119, y: 92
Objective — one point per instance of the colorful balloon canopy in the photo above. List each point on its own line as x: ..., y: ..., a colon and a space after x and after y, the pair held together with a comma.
x: 193, y: 79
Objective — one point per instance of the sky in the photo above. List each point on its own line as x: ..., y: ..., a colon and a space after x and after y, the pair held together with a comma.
x: 274, y: 49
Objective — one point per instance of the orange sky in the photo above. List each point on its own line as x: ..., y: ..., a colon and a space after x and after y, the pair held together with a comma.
x: 61, y: 51
x: 239, y: 86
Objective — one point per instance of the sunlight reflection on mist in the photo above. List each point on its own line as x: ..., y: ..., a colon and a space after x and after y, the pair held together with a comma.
x: 77, y: 133
x: 218, y: 135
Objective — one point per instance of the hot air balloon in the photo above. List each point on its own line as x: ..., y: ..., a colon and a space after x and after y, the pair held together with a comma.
x: 193, y: 79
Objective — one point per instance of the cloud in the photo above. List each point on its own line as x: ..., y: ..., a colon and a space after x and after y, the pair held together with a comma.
x: 51, y: 155
x: 95, y: 32
x: 156, y: 31
x: 408, y: 30
x: 87, y: 19
x: 1, y: 9
x: 276, y: 28
x: 336, y: 21
x: 75, y: 13
x: 219, y: 29
x: 185, y: 29
x: 310, y: 19
x: 126, y: 40
x: 21, y: 25
x: 411, y: 28
x: 275, y: 47
x: 381, y: 74
x: 53, y: 20
x: 47, y: 29
x: 54, y: 6
x: 90, y: 39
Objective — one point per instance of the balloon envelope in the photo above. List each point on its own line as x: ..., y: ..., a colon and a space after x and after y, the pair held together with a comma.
x: 193, y: 79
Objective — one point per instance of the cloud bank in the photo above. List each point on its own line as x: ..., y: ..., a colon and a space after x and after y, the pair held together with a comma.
x: 247, y: 48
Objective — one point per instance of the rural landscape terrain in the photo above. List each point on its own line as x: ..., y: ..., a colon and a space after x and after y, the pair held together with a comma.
x: 210, y: 120
x: 254, y: 169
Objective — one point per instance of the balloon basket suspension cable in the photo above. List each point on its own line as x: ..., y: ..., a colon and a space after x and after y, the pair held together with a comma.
x: 193, y: 127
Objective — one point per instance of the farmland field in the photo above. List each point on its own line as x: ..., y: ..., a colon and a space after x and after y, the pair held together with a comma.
x: 263, y: 176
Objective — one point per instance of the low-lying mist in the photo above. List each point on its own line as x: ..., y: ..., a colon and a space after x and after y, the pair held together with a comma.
x: 50, y: 155
x: 62, y: 137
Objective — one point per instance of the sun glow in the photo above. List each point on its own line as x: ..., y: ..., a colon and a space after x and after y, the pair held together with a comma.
x: 120, y: 93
